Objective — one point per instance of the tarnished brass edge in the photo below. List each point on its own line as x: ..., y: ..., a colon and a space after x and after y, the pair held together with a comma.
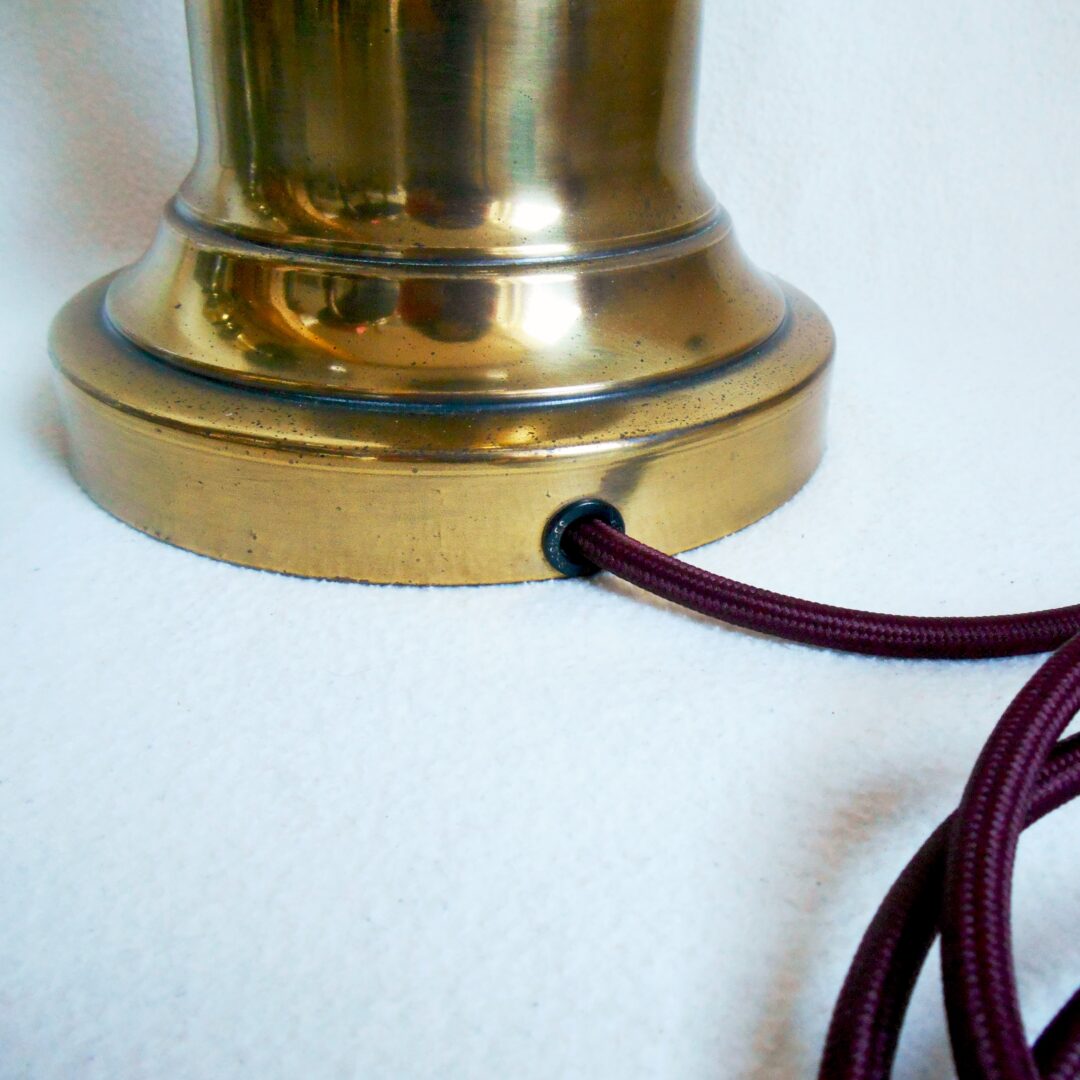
x: 423, y: 404
x: 542, y: 572
x: 708, y: 228
x: 629, y: 447
x: 628, y: 444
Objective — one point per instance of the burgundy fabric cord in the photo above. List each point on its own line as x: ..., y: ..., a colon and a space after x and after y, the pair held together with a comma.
x: 960, y: 882
x: 818, y: 624
x: 980, y: 983
x: 870, y: 1011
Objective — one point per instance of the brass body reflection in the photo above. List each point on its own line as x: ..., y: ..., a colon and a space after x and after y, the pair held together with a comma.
x: 441, y: 266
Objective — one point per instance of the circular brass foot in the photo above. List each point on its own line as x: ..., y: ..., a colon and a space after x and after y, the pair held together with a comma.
x: 426, y: 494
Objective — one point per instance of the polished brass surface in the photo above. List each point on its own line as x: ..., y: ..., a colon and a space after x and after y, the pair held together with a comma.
x: 441, y: 267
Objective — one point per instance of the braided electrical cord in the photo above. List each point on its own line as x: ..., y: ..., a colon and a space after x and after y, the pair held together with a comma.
x: 808, y: 623
x: 960, y: 882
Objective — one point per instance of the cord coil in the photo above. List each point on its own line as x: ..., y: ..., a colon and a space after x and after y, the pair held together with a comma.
x: 960, y: 882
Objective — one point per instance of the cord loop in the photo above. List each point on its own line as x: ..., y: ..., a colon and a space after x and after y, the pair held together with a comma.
x: 959, y: 883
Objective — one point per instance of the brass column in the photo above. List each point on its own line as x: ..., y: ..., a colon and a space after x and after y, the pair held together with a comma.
x: 442, y: 266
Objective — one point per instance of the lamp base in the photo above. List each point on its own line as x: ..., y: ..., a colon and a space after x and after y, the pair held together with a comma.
x: 432, y: 494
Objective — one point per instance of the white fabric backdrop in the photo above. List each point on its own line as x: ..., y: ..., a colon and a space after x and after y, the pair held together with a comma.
x: 254, y: 826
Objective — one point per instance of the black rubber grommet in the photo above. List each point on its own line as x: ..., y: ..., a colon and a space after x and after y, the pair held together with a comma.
x: 556, y: 529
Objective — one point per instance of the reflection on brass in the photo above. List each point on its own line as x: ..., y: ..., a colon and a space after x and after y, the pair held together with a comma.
x: 441, y: 267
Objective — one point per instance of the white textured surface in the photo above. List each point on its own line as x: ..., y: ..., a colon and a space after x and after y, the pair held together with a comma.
x: 261, y: 827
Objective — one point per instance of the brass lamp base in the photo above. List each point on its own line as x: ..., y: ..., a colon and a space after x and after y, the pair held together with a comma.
x: 404, y: 310
x: 327, y: 489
